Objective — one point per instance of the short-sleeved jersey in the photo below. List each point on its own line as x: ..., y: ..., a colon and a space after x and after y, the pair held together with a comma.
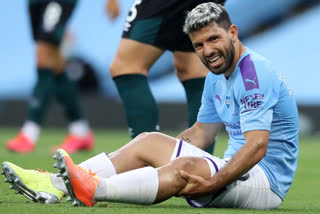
x: 256, y: 97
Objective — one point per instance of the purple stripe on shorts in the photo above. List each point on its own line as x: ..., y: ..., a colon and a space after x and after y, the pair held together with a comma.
x: 191, y: 203
x: 248, y: 73
x: 179, y: 148
x: 214, y: 164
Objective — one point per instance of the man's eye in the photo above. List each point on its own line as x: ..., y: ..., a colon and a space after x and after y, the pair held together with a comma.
x: 213, y: 38
x: 197, y: 46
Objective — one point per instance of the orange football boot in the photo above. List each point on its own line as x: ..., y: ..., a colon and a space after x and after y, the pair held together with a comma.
x: 80, y: 183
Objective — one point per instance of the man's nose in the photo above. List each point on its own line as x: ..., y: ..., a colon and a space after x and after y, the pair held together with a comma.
x: 207, y: 49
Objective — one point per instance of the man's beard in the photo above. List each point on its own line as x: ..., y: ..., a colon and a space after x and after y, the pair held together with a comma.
x: 228, y: 57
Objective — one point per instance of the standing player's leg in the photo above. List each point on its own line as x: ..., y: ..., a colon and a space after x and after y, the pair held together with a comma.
x: 136, y: 54
x: 191, y: 73
x: 80, y: 136
x: 129, y: 71
x: 46, y: 51
x: 48, y: 24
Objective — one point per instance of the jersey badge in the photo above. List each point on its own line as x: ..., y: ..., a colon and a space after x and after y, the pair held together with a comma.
x: 228, y: 101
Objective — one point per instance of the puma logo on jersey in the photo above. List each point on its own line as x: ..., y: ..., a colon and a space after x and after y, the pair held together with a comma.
x: 248, y: 73
x: 249, y: 80
x: 218, y: 98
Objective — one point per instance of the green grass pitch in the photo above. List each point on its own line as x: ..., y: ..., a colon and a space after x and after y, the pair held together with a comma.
x: 304, y: 196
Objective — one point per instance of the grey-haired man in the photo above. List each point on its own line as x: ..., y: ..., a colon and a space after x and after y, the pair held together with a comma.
x: 243, y: 92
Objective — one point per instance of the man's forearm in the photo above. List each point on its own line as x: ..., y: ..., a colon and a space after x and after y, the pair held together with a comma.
x: 247, y: 157
x: 193, y: 137
x: 200, y: 135
x: 187, y: 136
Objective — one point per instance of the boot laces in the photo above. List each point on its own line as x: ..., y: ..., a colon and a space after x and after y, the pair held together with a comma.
x: 38, y: 170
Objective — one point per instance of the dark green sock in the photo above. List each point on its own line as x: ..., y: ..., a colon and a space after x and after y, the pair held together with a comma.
x: 193, y: 89
x: 68, y: 96
x: 139, y: 104
x: 41, y: 95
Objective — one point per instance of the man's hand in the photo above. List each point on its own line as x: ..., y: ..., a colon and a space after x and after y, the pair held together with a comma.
x: 196, y: 187
x: 112, y: 9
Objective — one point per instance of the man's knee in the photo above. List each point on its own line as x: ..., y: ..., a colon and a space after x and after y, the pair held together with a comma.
x: 123, y: 66
x: 116, y: 67
x: 174, y: 168
x: 188, y: 66
x: 147, y: 137
x: 127, y: 61
x: 181, y: 68
x: 155, y: 143
x: 143, y: 135
x: 192, y: 165
x: 49, y: 56
x: 184, y: 163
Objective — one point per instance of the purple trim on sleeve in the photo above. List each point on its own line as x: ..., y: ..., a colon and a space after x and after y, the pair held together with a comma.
x: 179, y: 148
x: 214, y: 163
x: 248, y: 73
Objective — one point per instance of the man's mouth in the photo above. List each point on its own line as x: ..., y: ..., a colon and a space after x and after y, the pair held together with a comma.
x: 215, y: 60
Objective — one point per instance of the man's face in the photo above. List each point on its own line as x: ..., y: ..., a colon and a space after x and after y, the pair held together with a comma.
x: 214, y: 47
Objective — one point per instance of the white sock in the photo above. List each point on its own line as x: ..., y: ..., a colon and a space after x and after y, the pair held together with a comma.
x: 31, y: 130
x: 100, y: 164
x: 58, y: 183
x: 79, y: 128
x: 139, y: 186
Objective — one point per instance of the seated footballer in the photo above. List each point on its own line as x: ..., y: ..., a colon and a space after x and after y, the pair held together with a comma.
x: 242, y: 91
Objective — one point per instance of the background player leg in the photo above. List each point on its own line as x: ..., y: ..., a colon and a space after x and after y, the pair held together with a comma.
x: 191, y: 73
x: 129, y: 70
x: 49, y: 19
x: 80, y: 136
x: 42, y: 94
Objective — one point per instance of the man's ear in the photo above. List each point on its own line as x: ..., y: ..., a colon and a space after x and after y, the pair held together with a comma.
x: 233, y: 30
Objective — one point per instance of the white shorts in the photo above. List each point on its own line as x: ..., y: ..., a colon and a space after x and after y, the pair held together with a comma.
x: 251, y: 191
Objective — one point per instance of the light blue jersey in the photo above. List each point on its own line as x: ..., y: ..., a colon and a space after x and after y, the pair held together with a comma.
x: 256, y: 97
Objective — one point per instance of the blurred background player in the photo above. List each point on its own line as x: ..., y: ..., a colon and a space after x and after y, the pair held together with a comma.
x: 48, y: 20
x: 151, y: 28
x: 112, y: 9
